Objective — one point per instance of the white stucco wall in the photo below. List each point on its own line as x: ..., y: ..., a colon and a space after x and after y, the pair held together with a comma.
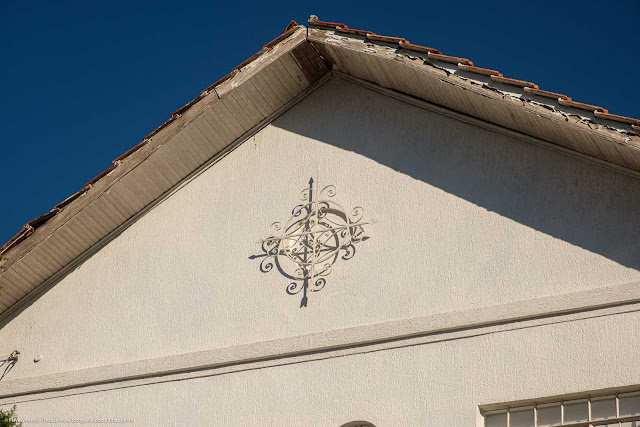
x: 466, y: 218
x: 438, y: 384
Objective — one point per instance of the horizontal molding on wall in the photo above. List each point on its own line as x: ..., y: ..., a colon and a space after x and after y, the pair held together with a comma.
x: 336, y: 343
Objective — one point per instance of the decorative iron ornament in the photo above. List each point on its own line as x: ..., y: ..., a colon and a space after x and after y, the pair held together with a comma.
x: 318, y: 232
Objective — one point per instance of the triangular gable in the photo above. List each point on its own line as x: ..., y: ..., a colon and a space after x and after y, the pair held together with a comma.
x: 261, y: 88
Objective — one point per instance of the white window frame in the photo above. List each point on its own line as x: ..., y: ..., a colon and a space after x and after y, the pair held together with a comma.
x: 508, y: 409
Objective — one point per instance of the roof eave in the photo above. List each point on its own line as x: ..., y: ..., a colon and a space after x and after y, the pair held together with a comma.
x: 481, y: 93
x: 287, y: 68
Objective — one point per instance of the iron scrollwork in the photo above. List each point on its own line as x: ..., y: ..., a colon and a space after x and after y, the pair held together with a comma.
x: 318, y: 233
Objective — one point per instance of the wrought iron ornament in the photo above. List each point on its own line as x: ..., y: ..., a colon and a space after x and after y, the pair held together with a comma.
x: 318, y: 232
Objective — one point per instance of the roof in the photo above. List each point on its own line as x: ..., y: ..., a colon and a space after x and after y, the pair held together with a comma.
x: 434, y: 56
x: 269, y: 82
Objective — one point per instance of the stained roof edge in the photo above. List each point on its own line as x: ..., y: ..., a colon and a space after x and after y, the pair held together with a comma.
x: 466, y: 65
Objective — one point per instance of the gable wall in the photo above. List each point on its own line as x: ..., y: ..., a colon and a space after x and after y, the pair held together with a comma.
x: 466, y: 217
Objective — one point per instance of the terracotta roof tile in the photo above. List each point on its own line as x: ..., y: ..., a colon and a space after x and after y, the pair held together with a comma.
x: 28, y: 230
x: 35, y: 223
x: 326, y: 24
x: 418, y: 48
x: 131, y: 151
x: 217, y: 82
x: 287, y: 32
x: 376, y: 37
x: 291, y: 26
x: 546, y: 94
x: 22, y: 234
x: 568, y: 102
x: 100, y: 175
x: 622, y: 119
x: 451, y: 59
x: 252, y: 57
x: 185, y: 107
x: 478, y: 70
x: 352, y: 31
x: 71, y: 198
x: 513, y: 82
x: 159, y: 128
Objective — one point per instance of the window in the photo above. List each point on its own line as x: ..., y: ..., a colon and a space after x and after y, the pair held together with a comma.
x: 358, y: 424
x: 618, y: 410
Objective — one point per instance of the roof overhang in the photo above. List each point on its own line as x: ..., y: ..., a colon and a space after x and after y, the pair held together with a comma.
x: 237, y: 106
x: 455, y: 84
x: 224, y: 115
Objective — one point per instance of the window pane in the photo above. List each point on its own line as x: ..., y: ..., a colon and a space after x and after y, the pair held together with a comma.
x: 521, y: 418
x: 605, y: 408
x: 629, y: 404
x: 549, y: 415
x: 495, y: 420
x: 576, y: 411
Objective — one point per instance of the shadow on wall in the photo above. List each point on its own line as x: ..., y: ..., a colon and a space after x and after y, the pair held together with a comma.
x: 579, y: 202
x: 305, y: 248
x: 9, y: 363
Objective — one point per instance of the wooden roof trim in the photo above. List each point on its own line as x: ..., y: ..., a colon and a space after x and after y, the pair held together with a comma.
x: 305, y: 69
x: 467, y: 65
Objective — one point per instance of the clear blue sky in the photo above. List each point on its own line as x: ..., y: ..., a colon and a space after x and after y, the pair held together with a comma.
x: 83, y: 81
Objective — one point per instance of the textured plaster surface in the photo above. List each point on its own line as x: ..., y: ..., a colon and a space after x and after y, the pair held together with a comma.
x: 466, y: 218
x: 439, y: 384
